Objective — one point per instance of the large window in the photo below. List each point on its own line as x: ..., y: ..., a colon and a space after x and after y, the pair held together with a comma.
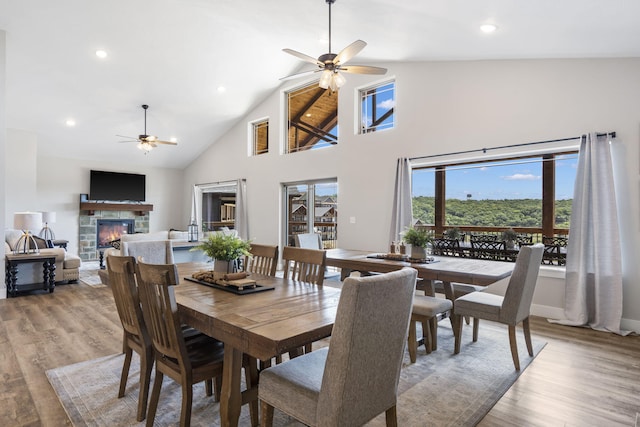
x: 530, y: 194
x: 377, y: 105
x: 218, y: 206
x: 312, y: 114
x: 312, y: 207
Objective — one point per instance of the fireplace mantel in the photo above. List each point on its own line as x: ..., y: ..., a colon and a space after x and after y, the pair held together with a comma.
x: 91, y: 207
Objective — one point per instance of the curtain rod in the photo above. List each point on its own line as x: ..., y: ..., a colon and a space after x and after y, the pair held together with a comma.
x: 484, y: 150
x: 231, y: 181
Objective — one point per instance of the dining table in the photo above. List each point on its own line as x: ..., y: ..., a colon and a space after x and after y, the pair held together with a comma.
x: 443, y: 268
x: 262, y: 325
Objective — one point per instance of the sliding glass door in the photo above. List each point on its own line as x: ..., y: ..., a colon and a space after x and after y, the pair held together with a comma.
x: 311, y: 207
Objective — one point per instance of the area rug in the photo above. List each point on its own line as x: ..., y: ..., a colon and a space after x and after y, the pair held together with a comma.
x: 89, y: 273
x: 440, y: 389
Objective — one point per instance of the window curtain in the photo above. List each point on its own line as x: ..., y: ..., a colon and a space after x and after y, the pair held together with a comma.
x: 196, y: 210
x: 242, y: 216
x: 402, y: 213
x: 593, y: 290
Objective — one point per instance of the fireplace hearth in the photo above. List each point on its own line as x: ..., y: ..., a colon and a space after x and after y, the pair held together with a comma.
x: 108, y: 230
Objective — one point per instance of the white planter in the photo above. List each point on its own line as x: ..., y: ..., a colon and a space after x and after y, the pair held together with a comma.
x: 418, y: 252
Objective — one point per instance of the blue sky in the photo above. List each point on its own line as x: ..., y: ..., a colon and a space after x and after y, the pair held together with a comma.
x: 499, y: 181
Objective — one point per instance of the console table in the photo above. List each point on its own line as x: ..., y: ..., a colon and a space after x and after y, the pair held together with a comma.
x: 12, y: 264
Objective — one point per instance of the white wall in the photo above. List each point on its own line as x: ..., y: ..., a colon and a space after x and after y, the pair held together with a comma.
x: 3, y: 128
x: 444, y: 107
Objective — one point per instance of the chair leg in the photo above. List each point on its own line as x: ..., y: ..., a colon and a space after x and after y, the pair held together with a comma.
x: 413, y: 341
x: 457, y: 333
x: 514, y: 346
x: 427, y: 337
x: 267, y: 414
x: 217, y: 388
x: 155, y: 397
x: 527, y: 335
x: 433, y: 328
x: 146, y: 366
x: 125, y: 371
x: 308, y: 348
x: 208, y: 387
x: 187, y: 398
x: 476, y: 325
x: 391, y: 417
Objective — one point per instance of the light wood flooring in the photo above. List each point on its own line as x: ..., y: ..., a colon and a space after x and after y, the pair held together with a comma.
x: 581, y: 378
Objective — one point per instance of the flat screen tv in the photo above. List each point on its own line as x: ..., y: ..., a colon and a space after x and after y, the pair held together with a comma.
x: 117, y: 186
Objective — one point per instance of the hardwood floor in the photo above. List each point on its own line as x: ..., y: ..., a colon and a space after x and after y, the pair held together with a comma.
x: 581, y: 378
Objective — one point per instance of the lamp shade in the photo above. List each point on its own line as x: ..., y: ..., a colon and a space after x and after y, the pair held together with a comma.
x: 27, y: 221
x: 49, y: 217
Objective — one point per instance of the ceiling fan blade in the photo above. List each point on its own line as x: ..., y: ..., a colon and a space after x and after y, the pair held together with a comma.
x: 157, y: 141
x: 132, y: 138
x: 363, y: 69
x: 301, y: 74
x: 349, y: 52
x: 304, y: 57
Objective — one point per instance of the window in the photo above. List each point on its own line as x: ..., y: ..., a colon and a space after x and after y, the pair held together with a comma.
x: 319, y: 197
x: 377, y: 105
x: 312, y: 114
x: 218, y: 206
x: 531, y: 194
x: 260, y: 137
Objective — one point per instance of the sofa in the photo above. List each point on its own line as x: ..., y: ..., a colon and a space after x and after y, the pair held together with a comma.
x: 67, y: 265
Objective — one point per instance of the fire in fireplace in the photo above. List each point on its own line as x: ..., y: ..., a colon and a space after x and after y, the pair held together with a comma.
x: 109, y: 230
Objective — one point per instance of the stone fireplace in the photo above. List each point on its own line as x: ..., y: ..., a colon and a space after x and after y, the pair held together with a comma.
x: 92, y: 241
x: 109, y: 230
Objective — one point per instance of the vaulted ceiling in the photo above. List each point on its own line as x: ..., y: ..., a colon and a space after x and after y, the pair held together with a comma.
x: 175, y: 55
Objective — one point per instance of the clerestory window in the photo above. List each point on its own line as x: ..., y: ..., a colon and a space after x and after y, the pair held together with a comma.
x: 259, y: 137
x: 377, y: 107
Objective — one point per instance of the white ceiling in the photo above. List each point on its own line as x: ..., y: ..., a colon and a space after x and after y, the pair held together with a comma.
x: 174, y: 54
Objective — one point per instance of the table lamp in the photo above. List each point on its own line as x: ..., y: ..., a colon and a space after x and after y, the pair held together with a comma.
x: 27, y: 222
x: 48, y: 218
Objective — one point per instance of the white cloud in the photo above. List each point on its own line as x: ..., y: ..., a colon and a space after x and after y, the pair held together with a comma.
x: 387, y: 105
x: 522, y: 177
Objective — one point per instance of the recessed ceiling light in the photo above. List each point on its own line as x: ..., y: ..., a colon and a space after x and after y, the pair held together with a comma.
x: 488, y: 28
x: 222, y: 89
x: 308, y: 114
x: 70, y: 122
x: 101, y: 53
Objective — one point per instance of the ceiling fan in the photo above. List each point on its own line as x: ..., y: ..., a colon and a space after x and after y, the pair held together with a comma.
x: 331, y: 64
x: 146, y: 142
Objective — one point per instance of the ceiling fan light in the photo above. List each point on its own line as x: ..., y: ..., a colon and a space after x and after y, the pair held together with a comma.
x: 325, y: 79
x: 339, y: 79
x: 145, y: 146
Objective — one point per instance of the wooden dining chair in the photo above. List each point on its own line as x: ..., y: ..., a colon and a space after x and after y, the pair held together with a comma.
x: 186, y: 364
x: 355, y: 378
x: 304, y: 265
x: 125, y: 293
x: 511, y: 309
x: 263, y: 260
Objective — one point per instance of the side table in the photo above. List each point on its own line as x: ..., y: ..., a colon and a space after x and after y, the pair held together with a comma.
x: 12, y: 264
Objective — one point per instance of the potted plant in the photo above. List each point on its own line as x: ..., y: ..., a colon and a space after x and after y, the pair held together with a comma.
x: 453, y: 233
x: 225, y: 249
x: 418, y: 238
x: 509, y: 236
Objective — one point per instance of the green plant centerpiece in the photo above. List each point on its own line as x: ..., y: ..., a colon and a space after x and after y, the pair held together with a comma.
x: 510, y: 237
x: 225, y: 249
x: 418, y: 238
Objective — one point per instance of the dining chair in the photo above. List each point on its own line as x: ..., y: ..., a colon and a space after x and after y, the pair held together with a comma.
x: 305, y: 265
x: 493, y: 250
x: 184, y: 362
x: 151, y: 252
x: 426, y: 310
x: 511, y: 309
x: 263, y: 260
x: 125, y: 293
x: 355, y: 378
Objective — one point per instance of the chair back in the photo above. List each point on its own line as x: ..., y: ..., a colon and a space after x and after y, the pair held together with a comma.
x: 308, y: 241
x: 263, y: 260
x: 519, y: 293
x: 305, y: 265
x: 151, y: 252
x: 125, y: 293
x: 367, y: 348
x: 155, y: 284
x: 494, y: 250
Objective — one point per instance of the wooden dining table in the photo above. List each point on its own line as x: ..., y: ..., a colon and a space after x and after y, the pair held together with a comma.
x: 446, y: 269
x: 262, y: 325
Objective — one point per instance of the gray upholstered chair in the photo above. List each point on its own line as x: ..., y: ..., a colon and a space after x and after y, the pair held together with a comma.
x: 149, y: 251
x: 356, y: 378
x: 511, y: 309
x: 426, y: 310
